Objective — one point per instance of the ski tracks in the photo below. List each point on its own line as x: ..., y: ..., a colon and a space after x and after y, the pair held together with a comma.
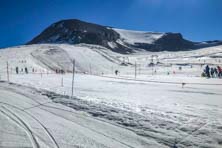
x: 25, y: 126
x: 18, y: 121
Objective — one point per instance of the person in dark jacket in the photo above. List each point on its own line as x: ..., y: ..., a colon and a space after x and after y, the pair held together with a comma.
x: 212, y: 72
x: 116, y: 72
x: 17, y: 70
x: 219, y: 71
x: 207, y: 71
x: 26, y: 70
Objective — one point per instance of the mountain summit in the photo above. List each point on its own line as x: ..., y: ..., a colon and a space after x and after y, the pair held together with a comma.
x: 75, y: 31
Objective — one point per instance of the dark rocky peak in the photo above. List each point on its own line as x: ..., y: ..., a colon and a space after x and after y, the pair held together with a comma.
x: 75, y: 31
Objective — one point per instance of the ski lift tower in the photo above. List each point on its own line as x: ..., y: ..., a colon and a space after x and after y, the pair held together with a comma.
x: 72, y: 63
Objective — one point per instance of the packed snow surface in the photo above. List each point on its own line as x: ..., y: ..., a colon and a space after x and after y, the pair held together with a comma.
x: 149, y: 109
x: 49, y: 57
x: 162, y: 113
x: 29, y: 119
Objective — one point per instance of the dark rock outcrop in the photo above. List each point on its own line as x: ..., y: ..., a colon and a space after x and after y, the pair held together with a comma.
x: 74, y: 32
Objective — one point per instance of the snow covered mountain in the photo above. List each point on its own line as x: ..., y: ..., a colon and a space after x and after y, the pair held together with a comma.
x: 118, y: 40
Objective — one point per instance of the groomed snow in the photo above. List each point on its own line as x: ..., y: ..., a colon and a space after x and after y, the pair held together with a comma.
x: 121, y: 111
x: 49, y: 57
x: 161, y: 112
x: 29, y: 119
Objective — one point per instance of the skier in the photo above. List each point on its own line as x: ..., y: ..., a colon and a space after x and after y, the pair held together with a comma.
x: 219, y: 71
x: 212, y: 72
x: 207, y: 71
x: 17, y: 70
x: 203, y: 74
x: 26, y: 70
x: 215, y: 72
x: 116, y: 72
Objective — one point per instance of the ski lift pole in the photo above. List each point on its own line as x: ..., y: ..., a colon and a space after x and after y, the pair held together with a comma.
x: 62, y: 82
x: 73, y: 74
x: 90, y: 69
x: 7, y: 72
x: 135, y: 70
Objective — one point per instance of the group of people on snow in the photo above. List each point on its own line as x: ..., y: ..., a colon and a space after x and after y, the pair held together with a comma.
x: 60, y: 71
x: 21, y: 70
x: 212, y: 72
x: 25, y: 70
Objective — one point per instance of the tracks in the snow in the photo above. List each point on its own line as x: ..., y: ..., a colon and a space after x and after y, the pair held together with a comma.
x: 14, y: 117
x: 93, y: 130
x: 21, y: 124
x: 60, y: 116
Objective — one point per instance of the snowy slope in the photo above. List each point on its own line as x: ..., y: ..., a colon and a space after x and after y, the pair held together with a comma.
x: 19, y: 56
x: 49, y: 57
x: 132, y: 37
x: 153, y: 110
x: 36, y: 121
x: 160, y: 112
x: 96, y: 59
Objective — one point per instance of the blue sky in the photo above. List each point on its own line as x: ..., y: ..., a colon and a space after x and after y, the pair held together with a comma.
x: 197, y: 20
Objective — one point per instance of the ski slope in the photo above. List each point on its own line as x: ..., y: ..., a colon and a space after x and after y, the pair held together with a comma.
x: 48, y: 57
x: 29, y: 119
x: 151, y: 110
x: 156, y: 108
x: 97, y: 60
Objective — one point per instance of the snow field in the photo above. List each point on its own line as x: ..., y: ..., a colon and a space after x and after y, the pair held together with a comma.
x: 153, y: 110
x: 163, y: 112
